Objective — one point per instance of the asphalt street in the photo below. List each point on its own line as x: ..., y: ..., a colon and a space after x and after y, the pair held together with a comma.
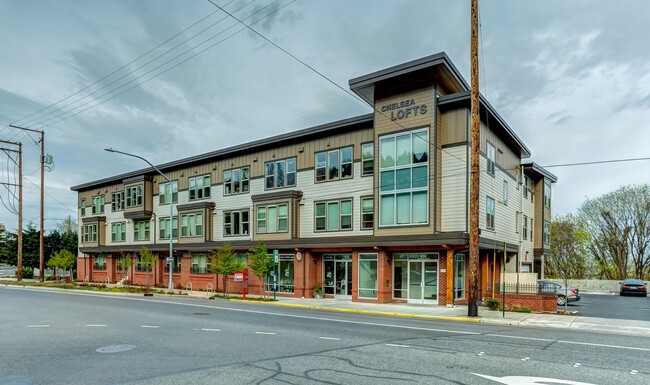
x: 612, y: 306
x: 58, y: 337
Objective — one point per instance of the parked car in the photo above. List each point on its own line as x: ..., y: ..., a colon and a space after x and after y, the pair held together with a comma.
x: 634, y: 287
x: 564, y: 294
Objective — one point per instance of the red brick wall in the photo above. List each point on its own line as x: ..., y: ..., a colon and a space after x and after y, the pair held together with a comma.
x: 536, y: 303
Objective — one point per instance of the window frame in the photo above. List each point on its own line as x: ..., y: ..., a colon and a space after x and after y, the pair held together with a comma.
x: 506, y: 192
x: 231, y: 224
x: 98, y: 204
x: 490, y: 213
x: 364, y: 222
x: 267, y: 218
x: 547, y: 195
x: 97, y: 266
x: 117, y: 201
x: 285, y: 173
x: 198, y: 269
x: 547, y: 232
x: 121, y: 226
x: 195, y: 192
x: 327, y: 204
x: 134, y: 196
x: 370, y: 159
x: 339, y: 163
x: 490, y: 154
x: 243, y: 184
x: 90, y: 236
x: 137, y: 230
x: 368, y: 258
x: 162, y: 193
x: 161, y: 228
x: 524, y: 226
x: 82, y: 207
x: 192, y: 230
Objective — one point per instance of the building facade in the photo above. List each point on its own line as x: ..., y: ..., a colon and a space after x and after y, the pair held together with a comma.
x: 373, y: 208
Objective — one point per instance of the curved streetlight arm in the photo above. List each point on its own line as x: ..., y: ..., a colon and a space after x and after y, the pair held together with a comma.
x: 170, y: 259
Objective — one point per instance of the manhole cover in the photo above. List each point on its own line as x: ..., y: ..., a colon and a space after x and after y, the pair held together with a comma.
x: 115, y: 348
x: 201, y: 313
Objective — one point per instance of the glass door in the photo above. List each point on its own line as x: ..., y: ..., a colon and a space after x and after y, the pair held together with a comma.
x: 430, y: 284
x: 415, y: 281
x: 343, y: 279
x: 423, y: 282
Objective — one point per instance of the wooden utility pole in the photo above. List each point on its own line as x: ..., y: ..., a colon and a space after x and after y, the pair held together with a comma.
x: 472, y: 309
x: 19, y: 257
x: 41, y: 269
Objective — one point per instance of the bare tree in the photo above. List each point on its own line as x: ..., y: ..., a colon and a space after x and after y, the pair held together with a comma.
x: 569, y: 254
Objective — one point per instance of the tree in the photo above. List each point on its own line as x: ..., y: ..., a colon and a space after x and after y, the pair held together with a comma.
x: 63, y: 260
x: 124, y: 264
x: 619, y: 224
x: 148, y: 260
x: 224, y: 261
x: 260, y: 263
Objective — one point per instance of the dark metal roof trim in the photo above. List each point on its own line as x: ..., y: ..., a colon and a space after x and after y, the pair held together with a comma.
x: 196, y: 206
x: 534, y: 167
x: 93, y: 219
x: 303, y: 134
x: 290, y: 194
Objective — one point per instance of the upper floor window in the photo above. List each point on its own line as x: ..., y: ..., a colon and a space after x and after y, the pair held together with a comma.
x: 192, y: 225
x: 164, y: 228
x: 547, y: 232
x: 98, y: 205
x: 117, y: 201
x: 334, y: 164
x: 90, y: 233
x: 141, y: 230
x: 100, y: 262
x: 367, y: 159
x: 272, y: 218
x: 547, y: 196
x: 367, y: 213
x: 235, y: 181
x: 83, y: 207
x: 168, y: 192
x: 281, y: 173
x: 489, y: 211
x: 235, y: 223
x: 491, y: 158
x: 200, y: 264
x: 524, y: 228
x: 199, y: 187
x: 134, y: 196
x: 505, y: 192
x: 404, y: 178
x: 118, y: 232
x: 334, y: 215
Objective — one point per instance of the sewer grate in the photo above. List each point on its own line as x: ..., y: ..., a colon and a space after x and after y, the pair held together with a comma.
x: 201, y: 313
x: 115, y: 348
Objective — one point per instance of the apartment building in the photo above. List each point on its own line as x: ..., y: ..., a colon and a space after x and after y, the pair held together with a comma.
x: 372, y: 208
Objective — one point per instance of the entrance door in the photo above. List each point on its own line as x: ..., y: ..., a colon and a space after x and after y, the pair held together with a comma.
x: 423, y: 282
x: 343, y: 279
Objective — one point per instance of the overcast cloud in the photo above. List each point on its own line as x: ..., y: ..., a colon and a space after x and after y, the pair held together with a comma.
x: 570, y: 77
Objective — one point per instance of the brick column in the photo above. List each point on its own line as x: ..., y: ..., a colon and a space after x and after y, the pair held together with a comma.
x: 384, y: 277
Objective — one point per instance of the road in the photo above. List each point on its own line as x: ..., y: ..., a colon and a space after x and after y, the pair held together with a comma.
x: 58, y: 337
x: 612, y: 306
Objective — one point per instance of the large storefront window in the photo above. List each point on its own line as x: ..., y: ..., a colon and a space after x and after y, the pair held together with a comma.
x: 337, y: 275
x: 415, y: 277
x: 367, y: 275
x: 282, y: 275
x: 459, y: 276
x: 404, y: 178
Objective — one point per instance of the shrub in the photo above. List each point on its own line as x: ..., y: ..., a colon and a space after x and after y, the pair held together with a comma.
x: 493, y: 304
x: 28, y: 272
x: 520, y: 309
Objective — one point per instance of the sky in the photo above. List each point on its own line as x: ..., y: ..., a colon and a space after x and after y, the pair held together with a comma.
x: 571, y: 78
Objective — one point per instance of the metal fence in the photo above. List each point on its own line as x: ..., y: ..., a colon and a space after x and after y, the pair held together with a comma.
x: 519, y: 288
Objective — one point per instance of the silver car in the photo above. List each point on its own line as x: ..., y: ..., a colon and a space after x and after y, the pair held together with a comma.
x: 564, y: 294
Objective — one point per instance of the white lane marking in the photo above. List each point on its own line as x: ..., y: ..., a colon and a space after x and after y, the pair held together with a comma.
x: 38, y: 326
x: 210, y: 330
x: 398, y: 346
x: 524, y: 380
x: 525, y: 359
x: 603, y: 345
x: 521, y: 338
x: 149, y: 326
x: 95, y: 326
x: 634, y: 372
x: 576, y: 365
x: 481, y: 353
x: 330, y: 338
x: 265, y: 333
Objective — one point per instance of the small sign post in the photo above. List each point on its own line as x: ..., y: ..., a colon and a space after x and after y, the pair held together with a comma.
x: 275, y: 262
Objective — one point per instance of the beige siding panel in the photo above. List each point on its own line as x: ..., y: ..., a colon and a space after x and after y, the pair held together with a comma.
x: 454, y: 126
x: 454, y: 189
x: 505, y: 157
x: 436, y: 217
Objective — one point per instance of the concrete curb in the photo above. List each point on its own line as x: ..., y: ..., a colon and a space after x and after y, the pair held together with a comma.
x: 361, y: 311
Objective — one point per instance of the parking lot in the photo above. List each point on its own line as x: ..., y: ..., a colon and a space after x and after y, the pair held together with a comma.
x: 612, y: 306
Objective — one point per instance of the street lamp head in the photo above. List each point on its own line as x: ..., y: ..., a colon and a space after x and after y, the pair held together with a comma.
x: 109, y: 149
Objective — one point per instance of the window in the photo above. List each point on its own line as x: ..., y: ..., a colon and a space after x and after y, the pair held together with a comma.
x: 139, y: 265
x: 491, y: 153
x: 192, y: 225
x: 200, y: 264
x: 134, y: 196
x: 164, y: 228
x: 333, y: 165
x: 118, y: 232
x: 168, y: 193
x: 524, y: 229
x: 367, y: 159
x: 505, y: 192
x: 100, y: 262
x: 90, y: 233
x: 547, y: 232
x: 235, y: 181
x: 98, y: 205
x: 141, y: 230
x: 489, y: 211
x: 199, y: 187
x: 83, y: 207
x: 176, y: 264
x: 525, y: 187
x: 334, y: 215
x: 281, y: 173
x: 367, y: 213
x: 547, y: 196
x: 459, y: 276
x: 367, y: 275
x: 235, y: 223
x: 117, y: 201
x: 404, y: 179
x: 283, y: 275
x: 272, y: 219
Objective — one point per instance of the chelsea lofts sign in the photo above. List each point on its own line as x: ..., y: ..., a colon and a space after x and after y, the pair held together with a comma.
x: 404, y: 109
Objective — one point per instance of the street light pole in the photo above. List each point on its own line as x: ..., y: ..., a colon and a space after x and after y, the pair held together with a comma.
x: 170, y: 258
